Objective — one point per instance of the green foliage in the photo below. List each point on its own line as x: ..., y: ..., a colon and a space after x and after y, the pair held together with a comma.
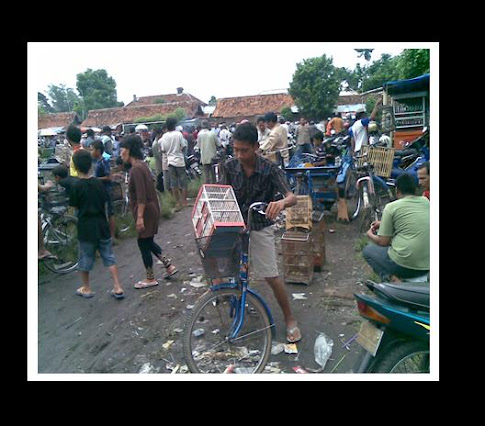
x: 413, y: 63
x: 287, y: 114
x: 179, y: 114
x: 212, y: 100
x: 43, y: 104
x: 315, y: 87
x: 156, y: 117
x: 97, y: 89
x: 63, y: 98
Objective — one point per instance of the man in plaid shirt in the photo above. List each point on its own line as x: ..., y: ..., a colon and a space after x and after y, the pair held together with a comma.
x: 255, y: 178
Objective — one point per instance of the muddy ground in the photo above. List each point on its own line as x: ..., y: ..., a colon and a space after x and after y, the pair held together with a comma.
x: 104, y: 335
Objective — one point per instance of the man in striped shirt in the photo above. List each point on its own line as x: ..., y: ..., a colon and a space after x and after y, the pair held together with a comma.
x: 254, y: 178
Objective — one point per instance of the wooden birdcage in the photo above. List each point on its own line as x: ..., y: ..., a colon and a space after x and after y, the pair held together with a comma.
x: 381, y: 159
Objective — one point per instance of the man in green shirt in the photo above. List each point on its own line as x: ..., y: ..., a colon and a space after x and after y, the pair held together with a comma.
x: 401, y: 238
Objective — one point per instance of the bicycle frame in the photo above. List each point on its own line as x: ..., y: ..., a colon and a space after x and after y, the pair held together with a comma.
x: 243, y: 283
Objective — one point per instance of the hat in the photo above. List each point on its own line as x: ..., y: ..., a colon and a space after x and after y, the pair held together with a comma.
x: 360, y: 110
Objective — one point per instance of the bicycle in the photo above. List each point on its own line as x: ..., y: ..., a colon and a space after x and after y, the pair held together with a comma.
x: 121, y: 205
x: 59, y: 231
x: 373, y: 193
x: 231, y: 327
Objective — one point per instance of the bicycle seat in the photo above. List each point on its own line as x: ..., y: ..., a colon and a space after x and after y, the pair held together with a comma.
x: 414, y: 295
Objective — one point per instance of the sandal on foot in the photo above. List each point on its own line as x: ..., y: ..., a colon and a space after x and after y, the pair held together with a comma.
x: 144, y: 284
x: 82, y: 293
x: 171, y: 270
x: 293, y: 334
x: 117, y: 295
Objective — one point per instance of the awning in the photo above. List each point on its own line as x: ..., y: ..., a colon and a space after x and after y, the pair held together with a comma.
x: 416, y: 84
x: 50, y: 131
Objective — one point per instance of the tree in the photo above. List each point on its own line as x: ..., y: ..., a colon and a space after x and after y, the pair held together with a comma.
x: 43, y: 104
x: 212, y: 100
x: 366, y: 53
x: 97, y: 89
x: 63, y: 98
x: 413, y: 63
x: 315, y: 87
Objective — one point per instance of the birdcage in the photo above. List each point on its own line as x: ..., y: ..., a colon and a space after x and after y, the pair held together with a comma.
x: 300, y: 215
x: 381, y: 159
x: 216, y: 211
x: 297, y: 257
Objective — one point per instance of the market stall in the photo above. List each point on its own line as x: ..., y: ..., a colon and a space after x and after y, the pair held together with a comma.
x: 410, y: 102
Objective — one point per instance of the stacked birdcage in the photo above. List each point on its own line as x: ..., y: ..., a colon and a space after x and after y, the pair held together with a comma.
x: 218, y: 222
x: 297, y: 242
x: 318, y: 235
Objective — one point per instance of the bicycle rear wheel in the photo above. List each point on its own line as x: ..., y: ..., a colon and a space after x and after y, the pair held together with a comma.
x: 60, y: 238
x: 123, y: 217
x: 207, y: 347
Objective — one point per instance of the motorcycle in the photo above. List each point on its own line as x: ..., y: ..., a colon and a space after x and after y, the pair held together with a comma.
x: 409, y: 159
x: 395, y: 332
x: 193, y: 167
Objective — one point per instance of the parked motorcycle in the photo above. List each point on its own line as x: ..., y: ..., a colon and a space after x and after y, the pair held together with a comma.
x: 395, y: 332
x: 409, y: 159
x: 193, y: 167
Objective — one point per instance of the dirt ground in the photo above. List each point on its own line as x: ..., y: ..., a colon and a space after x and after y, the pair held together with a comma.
x: 143, y: 332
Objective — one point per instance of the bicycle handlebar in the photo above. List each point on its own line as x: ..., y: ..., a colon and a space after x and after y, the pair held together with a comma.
x: 259, y: 206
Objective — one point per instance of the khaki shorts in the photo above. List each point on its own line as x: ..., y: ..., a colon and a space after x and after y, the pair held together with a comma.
x: 262, y: 254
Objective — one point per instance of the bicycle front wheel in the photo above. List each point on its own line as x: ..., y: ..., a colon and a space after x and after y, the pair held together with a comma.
x: 60, y: 238
x: 208, y: 347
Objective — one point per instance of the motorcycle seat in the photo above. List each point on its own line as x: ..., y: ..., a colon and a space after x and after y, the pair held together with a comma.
x: 405, y: 152
x: 414, y: 295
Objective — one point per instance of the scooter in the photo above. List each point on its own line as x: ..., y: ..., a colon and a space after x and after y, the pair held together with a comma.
x: 395, y: 332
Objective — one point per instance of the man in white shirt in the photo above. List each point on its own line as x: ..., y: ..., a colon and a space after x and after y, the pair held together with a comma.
x: 359, y: 129
x: 207, y: 142
x: 172, y: 144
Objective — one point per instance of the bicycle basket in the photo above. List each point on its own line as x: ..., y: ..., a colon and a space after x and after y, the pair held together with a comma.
x: 55, y: 200
x: 220, y: 255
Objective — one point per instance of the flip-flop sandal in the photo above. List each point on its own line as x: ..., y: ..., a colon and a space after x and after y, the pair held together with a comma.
x: 292, y: 332
x: 143, y: 284
x: 85, y: 295
x: 169, y: 274
x: 118, y: 295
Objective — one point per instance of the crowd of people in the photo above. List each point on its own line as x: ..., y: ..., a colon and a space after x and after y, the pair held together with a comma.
x: 399, y: 246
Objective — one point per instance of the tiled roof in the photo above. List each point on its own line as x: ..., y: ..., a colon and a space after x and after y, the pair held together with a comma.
x: 148, y: 100
x: 113, y: 116
x: 249, y: 106
x: 60, y: 119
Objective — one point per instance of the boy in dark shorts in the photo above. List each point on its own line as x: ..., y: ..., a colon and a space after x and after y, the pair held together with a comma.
x: 89, y: 196
x: 102, y: 171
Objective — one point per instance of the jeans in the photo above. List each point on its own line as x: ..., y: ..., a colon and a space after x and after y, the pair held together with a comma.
x: 378, y: 259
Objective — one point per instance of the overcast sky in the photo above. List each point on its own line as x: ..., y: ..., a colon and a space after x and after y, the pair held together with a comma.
x: 222, y: 69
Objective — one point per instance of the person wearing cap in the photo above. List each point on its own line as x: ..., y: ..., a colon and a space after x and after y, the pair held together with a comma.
x: 207, y: 143
x: 359, y: 128
x: 277, y: 140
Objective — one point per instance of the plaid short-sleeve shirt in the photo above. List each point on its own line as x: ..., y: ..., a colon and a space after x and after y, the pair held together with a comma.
x: 263, y: 185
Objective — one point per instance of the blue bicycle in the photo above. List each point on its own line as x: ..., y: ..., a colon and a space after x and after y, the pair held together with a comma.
x: 231, y: 327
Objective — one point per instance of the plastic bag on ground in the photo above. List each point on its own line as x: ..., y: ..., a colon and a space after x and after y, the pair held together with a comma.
x: 323, y: 349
